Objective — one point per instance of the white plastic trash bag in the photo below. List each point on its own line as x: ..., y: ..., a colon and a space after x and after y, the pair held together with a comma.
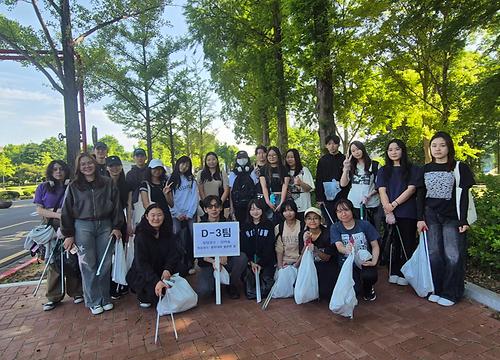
x: 224, y: 276
x: 417, y: 270
x: 129, y: 253
x: 306, y: 286
x: 361, y: 256
x: 181, y: 297
x: 343, y: 298
x: 119, y: 271
x: 283, y: 286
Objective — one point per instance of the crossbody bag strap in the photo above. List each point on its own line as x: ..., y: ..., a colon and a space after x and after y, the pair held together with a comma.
x: 59, y: 200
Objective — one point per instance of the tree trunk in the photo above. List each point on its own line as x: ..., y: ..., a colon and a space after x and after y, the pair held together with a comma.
x: 324, y: 106
x: 70, y: 87
x: 280, y: 77
x: 265, y: 128
x: 171, y: 141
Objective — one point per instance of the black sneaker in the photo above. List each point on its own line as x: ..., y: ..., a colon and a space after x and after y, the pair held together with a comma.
x: 371, y: 296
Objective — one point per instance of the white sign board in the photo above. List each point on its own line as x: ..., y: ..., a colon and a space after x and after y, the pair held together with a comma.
x: 216, y: 239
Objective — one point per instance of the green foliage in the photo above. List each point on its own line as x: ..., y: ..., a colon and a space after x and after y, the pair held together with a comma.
x: 306, y: 142
x: 6, y: 167
x: 484, y: 237
x: 9, y: 195
x: 114, y: 148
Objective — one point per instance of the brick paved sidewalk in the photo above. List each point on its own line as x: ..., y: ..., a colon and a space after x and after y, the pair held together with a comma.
x: 398, y: 325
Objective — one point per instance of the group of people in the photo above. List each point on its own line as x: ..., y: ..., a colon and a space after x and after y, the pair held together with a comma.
x: 271, y: 199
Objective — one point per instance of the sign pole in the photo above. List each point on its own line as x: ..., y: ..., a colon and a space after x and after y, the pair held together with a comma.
x: 217, y: 281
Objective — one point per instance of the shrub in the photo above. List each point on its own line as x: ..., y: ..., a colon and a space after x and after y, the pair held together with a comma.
x: 484, y: 236
x: 9, y: 195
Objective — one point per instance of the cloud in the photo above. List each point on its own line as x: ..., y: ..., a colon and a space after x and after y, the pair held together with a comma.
x: 8, y: 95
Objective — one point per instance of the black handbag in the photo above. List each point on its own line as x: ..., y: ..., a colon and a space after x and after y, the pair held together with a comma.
x: 70, y: 261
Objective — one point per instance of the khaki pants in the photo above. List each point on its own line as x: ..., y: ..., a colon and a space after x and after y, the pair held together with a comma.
x: 54, y: 293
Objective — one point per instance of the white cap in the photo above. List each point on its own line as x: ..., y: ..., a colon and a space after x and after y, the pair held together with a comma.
x: 156, y: 163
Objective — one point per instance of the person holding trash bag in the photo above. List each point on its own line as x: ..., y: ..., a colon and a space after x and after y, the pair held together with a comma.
x: 359, y: 235
x: 156, y: 256
x: 361, y: 173
x: 445, y: 218
x: 287, y: 236
x: 316, y: 235
x: 396, y: 183
x: 234, y: 265
x: 91, y: 217
x: 258, y: 244
x: 115, y: 170
x: 49, y: 199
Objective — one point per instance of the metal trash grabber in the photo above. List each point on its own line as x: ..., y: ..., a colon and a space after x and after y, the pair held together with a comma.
x: 158, y: 319
x: 328, y: 213
x: 44, y: 270
x: 157, y: 322
x: 269, y: 297
x: 402, y: 247
x: 111, y: 238
x: 172, y: 317
x: 62, y: 269
x: 257, y: 286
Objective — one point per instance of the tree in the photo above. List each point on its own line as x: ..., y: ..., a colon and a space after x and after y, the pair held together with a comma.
x: 6, y: 167
x: 53, y: 50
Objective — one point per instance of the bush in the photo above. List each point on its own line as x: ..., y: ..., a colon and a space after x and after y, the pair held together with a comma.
x: 9, y: 195
x: 484, y: 237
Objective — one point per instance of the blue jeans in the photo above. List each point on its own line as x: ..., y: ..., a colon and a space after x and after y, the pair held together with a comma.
x: 184, y: 241
x: 446, y: 254
x: 92, y: 237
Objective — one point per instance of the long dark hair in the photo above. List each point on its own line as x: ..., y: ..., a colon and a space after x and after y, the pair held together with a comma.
x: 175, y: 179
x: 206, y: 175
x: 405, y: 163
x: 450, y: 164
x: 281, y: 168
x: 289, y: 203
x: 145, y: 226
x: 298, y: 162
x: 259, y: 204
x: 49, y: 174
x: 148, y: 176
x: 79, y: 178
x: 354, y: 161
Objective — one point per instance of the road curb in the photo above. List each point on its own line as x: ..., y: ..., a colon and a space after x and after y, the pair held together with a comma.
x: 15, y: 269
x: 482, y: 296
x: 13, y: 258
x: 21, y: 283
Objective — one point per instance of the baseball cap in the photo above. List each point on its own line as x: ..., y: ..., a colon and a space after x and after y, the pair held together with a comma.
x: 313, y: 210
x: 139, y: 152
x: 156, y: 163
x: 100, y: 145
x: 113, y: 160
x: 242, y: 154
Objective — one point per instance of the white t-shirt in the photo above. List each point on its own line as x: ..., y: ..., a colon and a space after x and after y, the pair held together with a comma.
x: 301, y: 198
x: 362, y: 184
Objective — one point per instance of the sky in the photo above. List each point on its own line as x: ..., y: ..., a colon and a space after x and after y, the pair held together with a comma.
x: 30, y: 110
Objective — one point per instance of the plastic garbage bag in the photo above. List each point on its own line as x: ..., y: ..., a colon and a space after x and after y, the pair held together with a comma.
x: 129, y: 252
x: 343, y: 298
x: 119, y: 271
x: 224, y: 276
x: 181, y: 296
x: 361, y: 256
x: 417, y: 270
x: 283, y: 287
x: 306, y: 286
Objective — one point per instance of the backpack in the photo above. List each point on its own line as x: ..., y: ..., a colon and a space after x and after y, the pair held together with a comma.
x: 243, y: 189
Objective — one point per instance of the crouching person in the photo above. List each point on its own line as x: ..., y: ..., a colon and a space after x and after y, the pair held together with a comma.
x: 235, y: 265
x: 155, y: 257
x: 349, y: 234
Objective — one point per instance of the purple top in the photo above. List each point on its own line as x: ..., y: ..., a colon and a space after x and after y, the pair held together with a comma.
x: 47, y: 199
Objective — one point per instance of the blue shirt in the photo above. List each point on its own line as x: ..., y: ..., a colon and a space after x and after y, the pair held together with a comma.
x: 361, y: 235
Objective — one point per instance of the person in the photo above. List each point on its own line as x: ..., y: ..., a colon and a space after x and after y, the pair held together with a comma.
x: 396, y: 183
x: 185, y: 193
x: 437, y: 214
x: 350, y: 233
x: 49, y: 199
x: 328, y: 174
x: 235, y: 265
x: 274, y: 180
x: 316, y: 235
x: 91, y: 213
x: 212, y: 181
x: 134, y: 178
x: 156, y: 189
x: 115, y: 171
x: 260, y: 162
x: 301, y: 182
x: 242, y: 181
x: 155, y: 257
x: 361, y: 172
x: 100, y: 154
x: 287, y: 236
x: 258, y: 244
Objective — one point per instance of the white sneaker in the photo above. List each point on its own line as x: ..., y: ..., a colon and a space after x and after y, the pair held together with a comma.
x: 96, y: 310
x: 445, y: 302
x: 108, y: 307
x: 145, y: 305
x: 433, y: 298
x: 402, y: 281
x: 78, y: 300
x: 393, y: 279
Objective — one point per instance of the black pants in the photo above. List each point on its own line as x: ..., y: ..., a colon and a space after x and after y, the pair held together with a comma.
x: 364, y: 279
x: 408, y: 230
x: 328, y: 272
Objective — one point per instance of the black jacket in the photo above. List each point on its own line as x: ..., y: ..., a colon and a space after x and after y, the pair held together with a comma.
x: 135, y: 176
x: 259, y: 241
x: 91, y: 203
x: 151, y: 257
x: 329, y: 168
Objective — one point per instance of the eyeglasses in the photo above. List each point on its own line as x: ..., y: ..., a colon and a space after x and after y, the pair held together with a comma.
x: 315, y: 218
x: 213, y: 206
x: 342, y: 210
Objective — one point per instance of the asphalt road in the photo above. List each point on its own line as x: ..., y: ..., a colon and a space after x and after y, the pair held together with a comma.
x: 15, y: 223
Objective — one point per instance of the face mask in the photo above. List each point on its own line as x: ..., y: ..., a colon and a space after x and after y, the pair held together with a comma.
x: 241, y: 162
